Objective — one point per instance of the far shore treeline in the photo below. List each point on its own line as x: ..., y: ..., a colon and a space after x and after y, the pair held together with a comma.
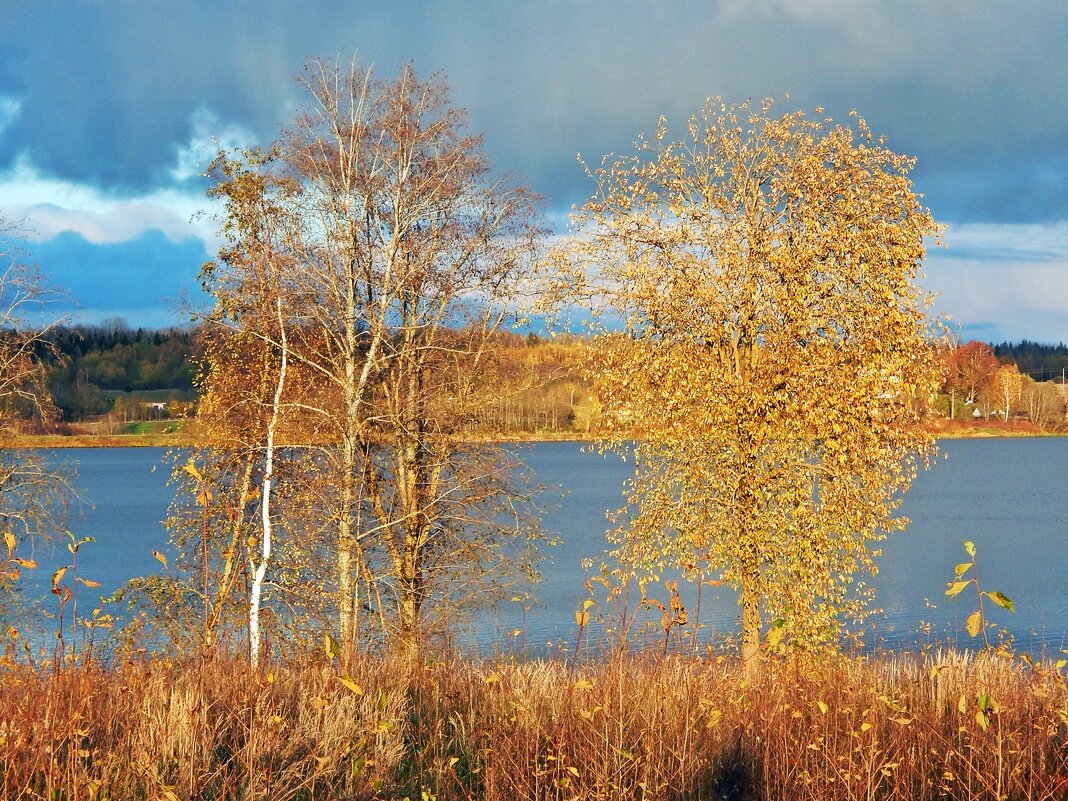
x: 113, y: 379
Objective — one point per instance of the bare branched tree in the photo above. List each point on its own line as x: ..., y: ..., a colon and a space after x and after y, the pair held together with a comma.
x: 370, y: 251
x: 33, y: 493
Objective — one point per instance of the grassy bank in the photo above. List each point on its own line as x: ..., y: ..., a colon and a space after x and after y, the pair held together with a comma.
x: 101, y: 441
x: 144, y: 434
x: 960, y: 727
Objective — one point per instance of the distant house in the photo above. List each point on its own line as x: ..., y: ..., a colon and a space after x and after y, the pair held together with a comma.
x: 155, y: 410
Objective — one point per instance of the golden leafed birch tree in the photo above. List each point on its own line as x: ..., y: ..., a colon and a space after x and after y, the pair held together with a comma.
x: 372, y: 258
x: 766, y: 348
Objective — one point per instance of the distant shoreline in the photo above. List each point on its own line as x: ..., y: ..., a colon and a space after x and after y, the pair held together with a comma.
x: 73, y: 441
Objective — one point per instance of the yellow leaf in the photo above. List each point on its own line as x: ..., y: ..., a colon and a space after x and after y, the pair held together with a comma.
x: 775, y: 635
x: 491, y: 678
x: 962, y: 568
x: 27, y: 563
x: 352, y: 685
x: 160, y: 557
x: 980, y: 718
x: 582, y: 618
x: 9, y: 538
x: 974, y: 623
x: 58, y: 577
x: 865, y: 726
x: 955, y: 587
x: 90, y: 583
x: 331, y: 647
x: 191, y: 469
x: 822, y: 707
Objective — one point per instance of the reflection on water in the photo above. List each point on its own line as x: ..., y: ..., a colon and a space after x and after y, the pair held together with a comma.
x: 1008, y: 496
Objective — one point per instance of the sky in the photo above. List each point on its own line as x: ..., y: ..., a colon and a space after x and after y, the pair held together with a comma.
x: 110, y: 111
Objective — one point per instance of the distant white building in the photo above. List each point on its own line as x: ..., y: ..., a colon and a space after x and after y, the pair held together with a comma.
x: 155, y: 410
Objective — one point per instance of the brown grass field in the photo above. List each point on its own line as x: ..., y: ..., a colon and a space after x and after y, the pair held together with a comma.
x: 954, y: 726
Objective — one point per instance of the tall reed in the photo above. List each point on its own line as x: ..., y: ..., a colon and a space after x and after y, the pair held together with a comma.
x: 945, y: 726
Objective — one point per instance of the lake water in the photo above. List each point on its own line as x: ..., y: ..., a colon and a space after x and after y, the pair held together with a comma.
x: 1008, y: 496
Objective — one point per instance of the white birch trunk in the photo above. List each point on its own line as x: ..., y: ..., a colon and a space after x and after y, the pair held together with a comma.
x: 255, y: 635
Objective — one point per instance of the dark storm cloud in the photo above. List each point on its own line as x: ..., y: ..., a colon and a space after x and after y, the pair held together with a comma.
x: 978, y: 91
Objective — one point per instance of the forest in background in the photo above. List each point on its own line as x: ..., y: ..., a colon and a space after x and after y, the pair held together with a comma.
x: 112, y: 377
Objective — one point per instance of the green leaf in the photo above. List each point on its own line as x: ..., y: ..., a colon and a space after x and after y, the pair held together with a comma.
x: 955, y: 587
x: 970, y: 548
x: 1001, y: 599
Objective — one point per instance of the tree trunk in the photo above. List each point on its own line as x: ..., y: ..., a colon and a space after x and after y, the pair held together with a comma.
x: 408, y: 624
x: 260, y: 568
x: 750, y: 630
x: 347, y: 633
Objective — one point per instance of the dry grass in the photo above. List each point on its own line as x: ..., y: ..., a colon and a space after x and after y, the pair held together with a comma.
x: 453, y: 729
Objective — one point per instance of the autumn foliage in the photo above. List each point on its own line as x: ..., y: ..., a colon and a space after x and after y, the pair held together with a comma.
x: 774, y: 358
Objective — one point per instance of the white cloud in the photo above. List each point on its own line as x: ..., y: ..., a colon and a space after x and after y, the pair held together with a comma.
x: 1010, y: 280
x: 46, y: 205
x: 10, y: 107
x: 209, y: 136
x: 1027, y: 242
